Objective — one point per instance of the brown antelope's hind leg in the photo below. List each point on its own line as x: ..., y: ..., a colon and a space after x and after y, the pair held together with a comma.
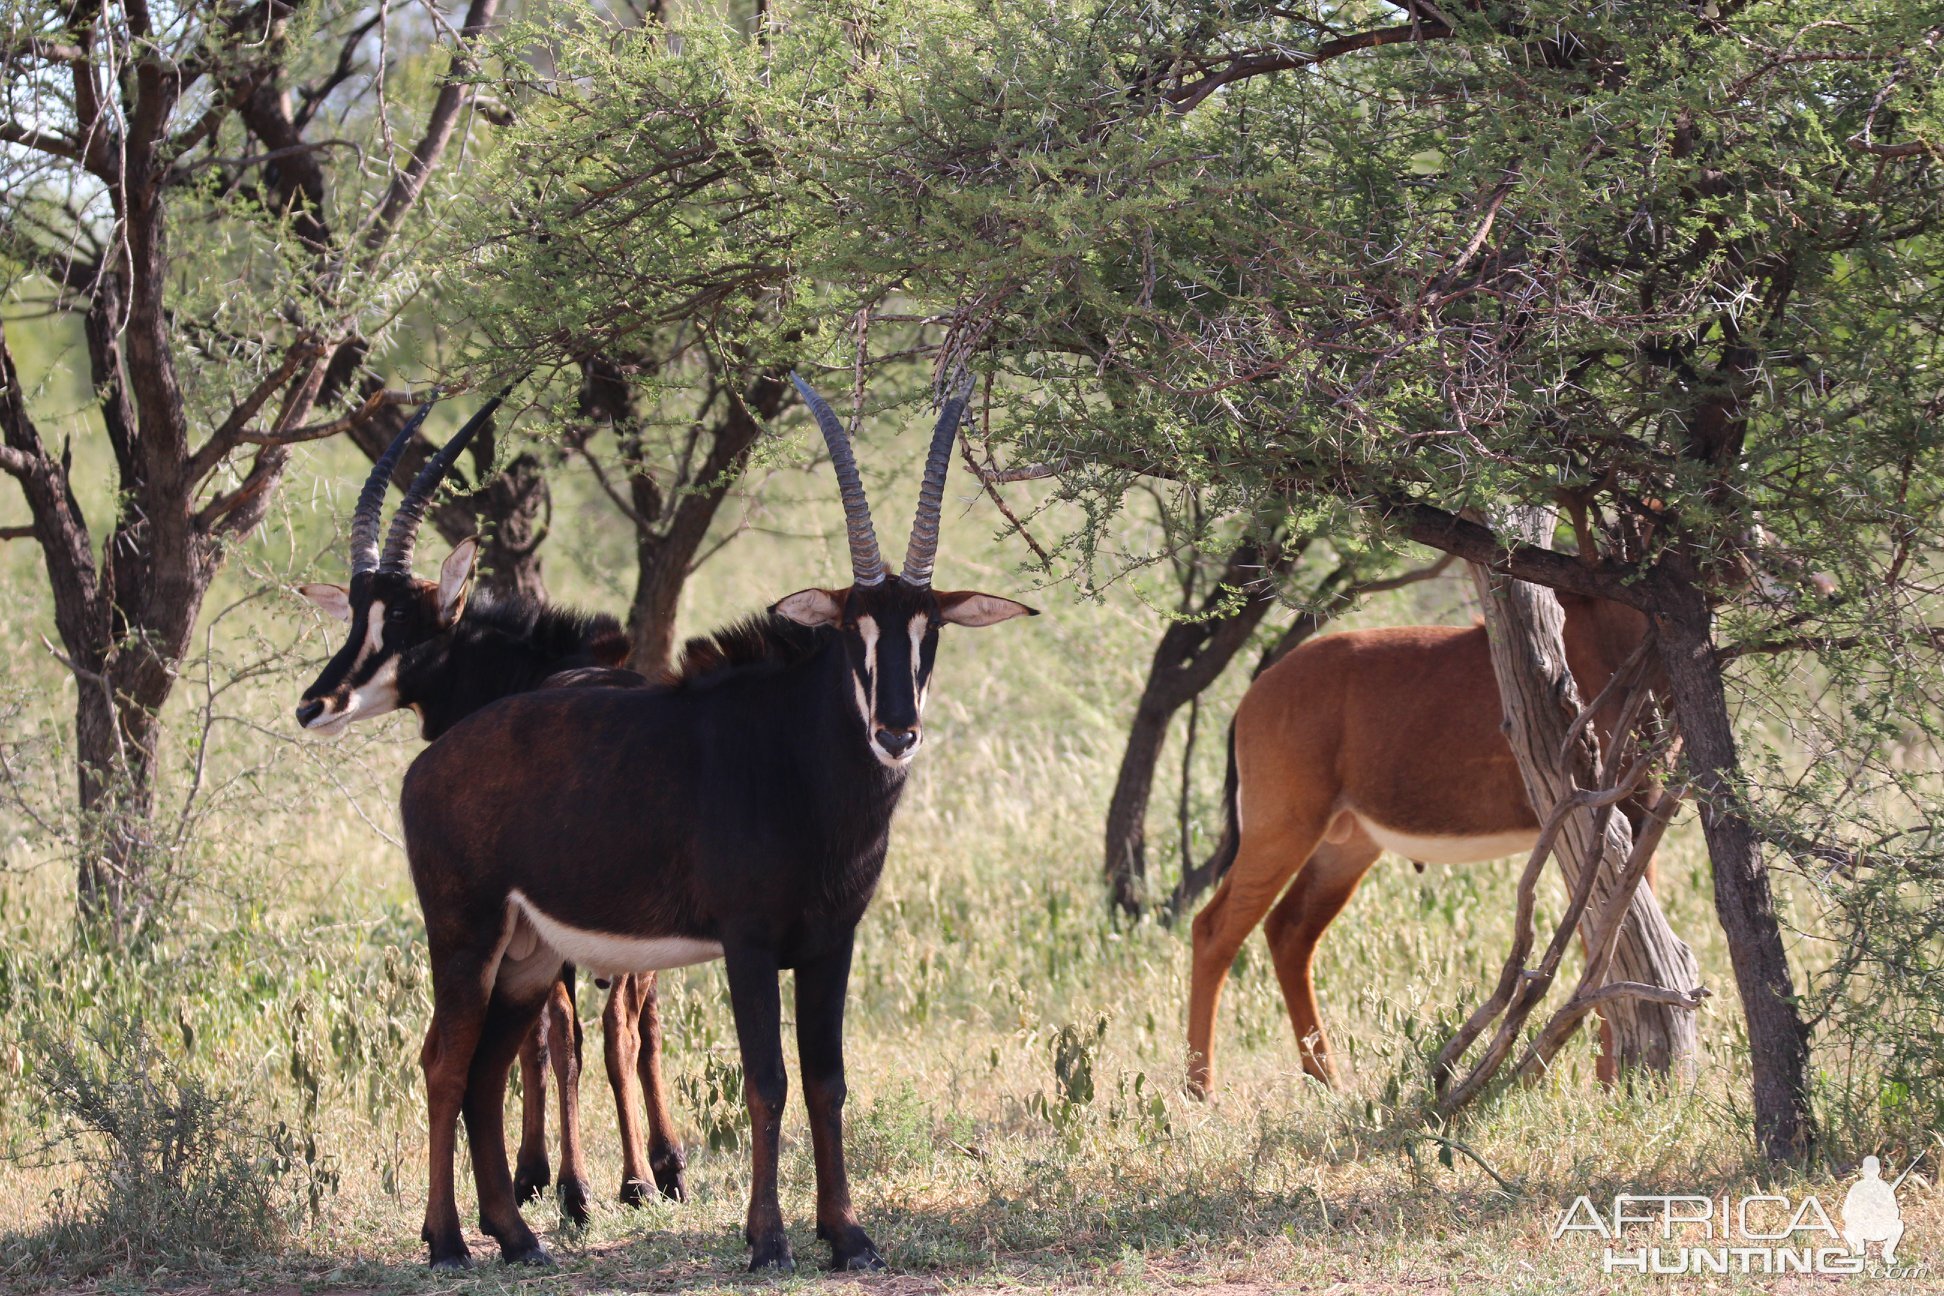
x: 531, y: 1170
x: 1262, y: 865
x: 620, y: 1046
x: 1322, y: 887
x: 820, y: 989
x: 507, y: 1023
x: 564, y: 1039
x: 665, y: 1159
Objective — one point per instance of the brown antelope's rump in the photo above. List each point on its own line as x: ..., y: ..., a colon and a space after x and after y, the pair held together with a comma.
x: 1355, y: 744
x: 740, y: 812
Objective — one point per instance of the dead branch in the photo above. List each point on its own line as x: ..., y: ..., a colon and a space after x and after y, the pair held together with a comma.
x: 1590, y: 993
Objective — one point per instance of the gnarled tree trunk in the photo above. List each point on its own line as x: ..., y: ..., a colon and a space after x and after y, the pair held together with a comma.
x: 1541, y: 700
x: 1190, y: 657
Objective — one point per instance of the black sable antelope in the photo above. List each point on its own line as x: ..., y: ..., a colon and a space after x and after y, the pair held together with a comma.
x: 739, y: 812
x: 434, y: 648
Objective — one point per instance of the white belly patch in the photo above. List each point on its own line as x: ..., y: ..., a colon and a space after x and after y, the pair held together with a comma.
x: 1449, y: 850
x: 609, y: 954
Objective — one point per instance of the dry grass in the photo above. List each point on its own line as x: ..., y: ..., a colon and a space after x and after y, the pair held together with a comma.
x: 292, y: 974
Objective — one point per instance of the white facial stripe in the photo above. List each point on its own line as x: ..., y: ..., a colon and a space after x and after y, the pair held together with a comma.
x: 612, y: 953
x: 867, y: 629
x: 374, y: 632
x: 919, y: 624
x: 375, y: 696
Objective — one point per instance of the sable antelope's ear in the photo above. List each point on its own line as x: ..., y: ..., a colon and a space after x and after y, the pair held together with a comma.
x: 812, y: 607
x: 456, y: 578
x: 333, y: 600
x: 971, y: 608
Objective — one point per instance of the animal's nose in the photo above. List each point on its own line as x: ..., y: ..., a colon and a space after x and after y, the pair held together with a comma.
x: 896, y: 742
x: 309, y: 711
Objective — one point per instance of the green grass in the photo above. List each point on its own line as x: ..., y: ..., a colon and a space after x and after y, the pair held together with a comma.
x: 290, y: 975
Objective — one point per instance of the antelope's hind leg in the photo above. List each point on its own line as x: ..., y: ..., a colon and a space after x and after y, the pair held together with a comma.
x: 1263, y: 863
x: 526, y: 979
x: 564, y: 1041
x: 665, y: 1159
x: 620, y: 1047
x: 1322, y: 888
x: 532, y: 1172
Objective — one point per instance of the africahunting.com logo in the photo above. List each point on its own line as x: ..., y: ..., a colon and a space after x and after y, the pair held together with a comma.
x: 1761, y: 1233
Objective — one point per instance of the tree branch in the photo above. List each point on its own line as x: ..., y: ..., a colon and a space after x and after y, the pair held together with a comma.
x: 439, y: 126
x: 1449, y: 533
x: 54, y: 145
x: 58, y: 525
x: 1242, y: 67
x: 232, y: 432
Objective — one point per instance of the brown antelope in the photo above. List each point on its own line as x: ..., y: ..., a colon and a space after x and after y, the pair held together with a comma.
x: 1355, y: 744
x: 739, y: 812
x: 440, y: 650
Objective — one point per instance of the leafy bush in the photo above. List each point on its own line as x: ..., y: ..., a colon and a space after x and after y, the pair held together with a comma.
x: 168, y: 1169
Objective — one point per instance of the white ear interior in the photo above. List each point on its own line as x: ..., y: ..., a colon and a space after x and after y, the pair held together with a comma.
x: 811, y: 607
x: 332, y: 600
x: 975, y: 610
x: 455, y: 577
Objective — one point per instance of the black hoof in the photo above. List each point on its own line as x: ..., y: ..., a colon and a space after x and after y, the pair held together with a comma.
x: 852, y: 1252
x: 771, y: 1253
x: 865, y: 1261
x: 529, y: 1184
x: 532, y: 1254
x: 633, y: 1192
x: 670, y: 1177
x: 573, y: 1201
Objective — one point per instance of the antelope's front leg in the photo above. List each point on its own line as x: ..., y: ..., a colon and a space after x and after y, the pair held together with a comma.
x: 821, y: 985
x: 759, y: 1031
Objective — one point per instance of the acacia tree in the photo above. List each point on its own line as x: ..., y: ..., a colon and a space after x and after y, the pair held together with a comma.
x: 1637, y: 272
x: 219, y: 194
x: 1668, y: 269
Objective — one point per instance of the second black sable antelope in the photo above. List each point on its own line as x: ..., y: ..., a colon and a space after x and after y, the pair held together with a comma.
x: 740, y: 812
x: 442, y: 651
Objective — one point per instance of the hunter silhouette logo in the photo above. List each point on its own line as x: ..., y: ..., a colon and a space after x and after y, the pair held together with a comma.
x: 1765, y: 1233
x: 1870, y: 1212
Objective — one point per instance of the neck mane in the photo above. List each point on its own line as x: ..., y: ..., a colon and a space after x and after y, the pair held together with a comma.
x: 550, y: 633
x: 761, y: 644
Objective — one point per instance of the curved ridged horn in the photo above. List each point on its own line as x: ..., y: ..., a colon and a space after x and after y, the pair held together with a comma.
x: 867, y: 567
x: 923, y: 549
x: 418, y: 497
x: 371, y: 500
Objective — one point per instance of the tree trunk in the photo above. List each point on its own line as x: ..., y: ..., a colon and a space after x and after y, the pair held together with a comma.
x: 1525, y: 626
x: 1778, y: 1041
x: 672, y: 521
x: 659, y: 578
x: 1127, y: 811
x: 1190, y: 657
